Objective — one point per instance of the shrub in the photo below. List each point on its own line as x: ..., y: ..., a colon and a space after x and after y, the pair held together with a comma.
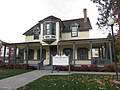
x: 9, y: 66
x: 109, y: 67
x: 84, y: 67
x: 77, y: 69
x: 72, y: 67
x: 2, y: 66
x: 61, y: 68
x: 93, y: 67
x: 100, y: 69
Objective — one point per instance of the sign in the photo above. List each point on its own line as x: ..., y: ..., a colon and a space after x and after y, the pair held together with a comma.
x: 61, y: 60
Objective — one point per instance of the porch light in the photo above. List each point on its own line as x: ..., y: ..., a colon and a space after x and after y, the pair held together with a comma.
x: 111, y: 22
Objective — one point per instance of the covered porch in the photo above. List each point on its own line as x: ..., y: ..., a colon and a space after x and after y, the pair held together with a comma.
x: 87, y: 51
x: 81, y: 51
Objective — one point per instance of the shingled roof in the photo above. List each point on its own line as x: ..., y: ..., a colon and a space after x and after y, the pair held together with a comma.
x: 30, y: 31
x: 83, y: 26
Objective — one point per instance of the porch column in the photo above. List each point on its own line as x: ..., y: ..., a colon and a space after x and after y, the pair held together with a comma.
x: 15, y: 50
x: 110, y: 51
x: 91, y: 52
x: 27, y: 54
x: 4, y: 54
x: 99, y: 53
x: 74, y: 52
x: 105, y: 51
x: 9, y: 54
x: 22, y: 55
x: 58, y: 48
x: 40, y: 53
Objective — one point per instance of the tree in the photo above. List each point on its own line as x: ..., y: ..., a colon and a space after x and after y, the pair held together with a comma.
x: 107, y: 9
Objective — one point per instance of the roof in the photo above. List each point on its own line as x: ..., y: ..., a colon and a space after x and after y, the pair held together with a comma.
x: 30, y: 31
x: 65, y: 24
x: 82, y: 25
x: 87, y: 40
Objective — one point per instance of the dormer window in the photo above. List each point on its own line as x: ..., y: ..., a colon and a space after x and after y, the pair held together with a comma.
x: 74, y: 30
x: 49, y: 28
x: 36, y: 32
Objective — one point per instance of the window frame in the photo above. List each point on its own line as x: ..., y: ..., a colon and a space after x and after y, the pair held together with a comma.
x: 36, y: 33
x: 73, y: 27
x: 51, y: 28
x: 82, y: 55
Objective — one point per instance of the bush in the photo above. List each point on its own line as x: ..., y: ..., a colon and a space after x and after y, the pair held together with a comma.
x: 16, y: 66
x: 109, y: 67
x: 84, y: 67
x: 71, y: 67
x: 100, y: 69
x: 93, y: 67
x: 77, y: 69
x: 9, y: 66
x: 61, y: 68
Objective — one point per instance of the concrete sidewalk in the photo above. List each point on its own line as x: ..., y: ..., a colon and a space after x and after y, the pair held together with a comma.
x: 19, y: 80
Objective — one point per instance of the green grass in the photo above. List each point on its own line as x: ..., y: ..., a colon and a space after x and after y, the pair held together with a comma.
x: 4, y: 73
x: 73, y: 82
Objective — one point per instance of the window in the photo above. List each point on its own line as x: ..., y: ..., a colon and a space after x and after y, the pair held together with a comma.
x: 82, y: 53
x: 36, y: 32
x: 43, y: 54
x: 68, y: 51
x: 49, y: 28
x: 30, y: 54
x: 74, y: 30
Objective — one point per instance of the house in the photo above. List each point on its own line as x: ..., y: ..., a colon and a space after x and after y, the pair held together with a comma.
x: 52, y: 36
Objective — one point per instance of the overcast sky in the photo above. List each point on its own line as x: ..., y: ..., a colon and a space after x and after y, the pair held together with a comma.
x: 17, y: 16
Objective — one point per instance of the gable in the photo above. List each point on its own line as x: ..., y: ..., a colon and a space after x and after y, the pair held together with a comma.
x: 31, y: 30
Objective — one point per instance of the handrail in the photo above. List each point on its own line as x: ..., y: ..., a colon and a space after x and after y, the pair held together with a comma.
x: 41, y: 61
x: 40, y: 64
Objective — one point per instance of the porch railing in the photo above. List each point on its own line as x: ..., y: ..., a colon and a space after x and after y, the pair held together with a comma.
x: 101, y: 61
x: 89, y: 62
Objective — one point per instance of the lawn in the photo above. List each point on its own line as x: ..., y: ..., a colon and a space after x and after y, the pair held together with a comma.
x: 73, y: 82
x: 4, y: 73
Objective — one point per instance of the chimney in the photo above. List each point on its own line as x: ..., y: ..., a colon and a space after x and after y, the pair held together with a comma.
x: 85, y: 14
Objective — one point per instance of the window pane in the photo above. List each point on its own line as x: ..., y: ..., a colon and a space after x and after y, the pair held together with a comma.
x: 48, y: 31
x: 48, y: 26
x: 36, y: 34
x: 82, y: 54
x: 74, y: 31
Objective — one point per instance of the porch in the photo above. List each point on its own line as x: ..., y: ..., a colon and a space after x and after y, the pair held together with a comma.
x: 81, y: 52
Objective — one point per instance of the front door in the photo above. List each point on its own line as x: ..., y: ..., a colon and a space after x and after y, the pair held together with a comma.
x: 53, y: 52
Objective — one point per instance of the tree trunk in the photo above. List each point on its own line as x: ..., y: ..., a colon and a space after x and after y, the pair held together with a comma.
x: 118, y: 5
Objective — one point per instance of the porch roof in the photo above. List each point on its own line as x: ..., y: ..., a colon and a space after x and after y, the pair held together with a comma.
x: 97, y: 42
x: 22, y: 44
x: 86, y: 40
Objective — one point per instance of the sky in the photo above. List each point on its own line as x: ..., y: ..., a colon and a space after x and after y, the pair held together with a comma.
x: 18, y: 16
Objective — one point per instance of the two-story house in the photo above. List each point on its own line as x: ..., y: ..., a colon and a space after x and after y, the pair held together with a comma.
x: 52, y: 36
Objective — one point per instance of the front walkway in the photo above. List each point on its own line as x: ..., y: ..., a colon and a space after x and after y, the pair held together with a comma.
x: 20, y: 80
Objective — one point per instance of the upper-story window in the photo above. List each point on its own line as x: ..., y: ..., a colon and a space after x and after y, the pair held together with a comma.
x: 36, y: 32
x: 74, y: 30
x: 49, y: 28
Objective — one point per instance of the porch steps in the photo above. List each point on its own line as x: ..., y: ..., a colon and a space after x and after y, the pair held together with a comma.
x: 47, y: 67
